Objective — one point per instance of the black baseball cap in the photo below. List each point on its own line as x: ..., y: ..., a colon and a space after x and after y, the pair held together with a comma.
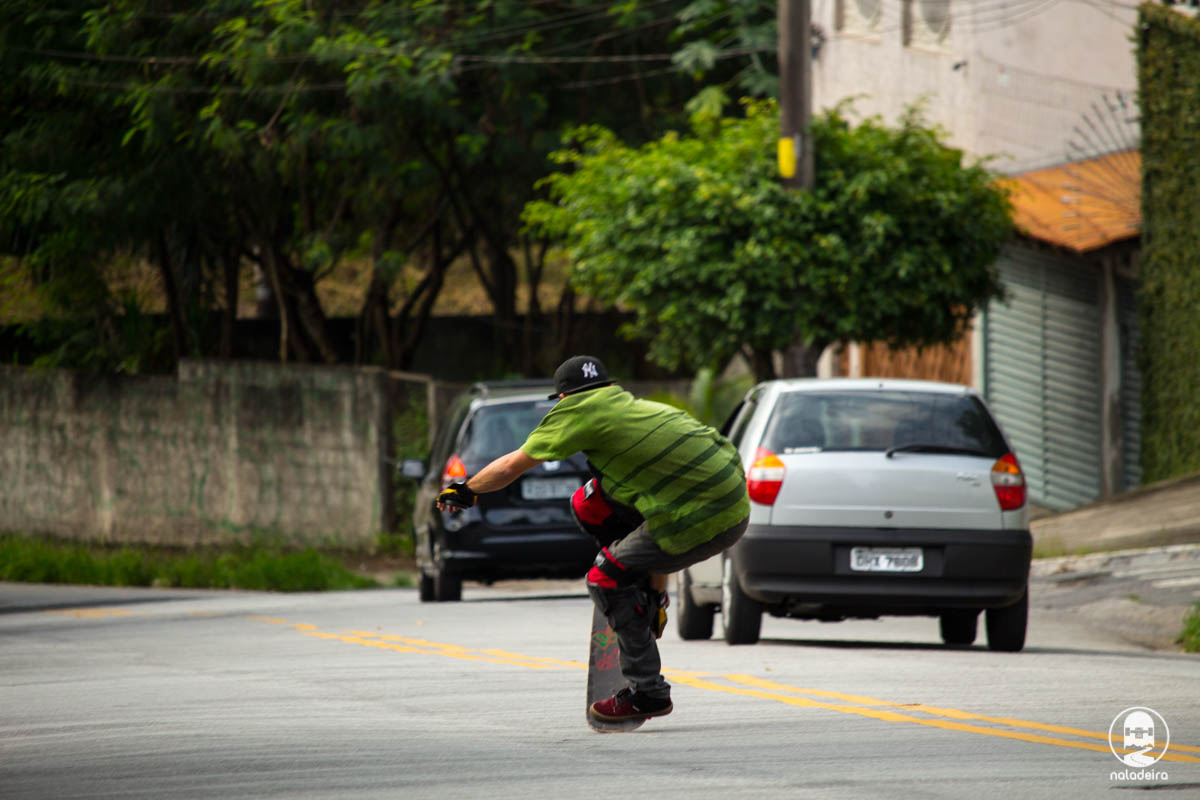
x: 578, y: 373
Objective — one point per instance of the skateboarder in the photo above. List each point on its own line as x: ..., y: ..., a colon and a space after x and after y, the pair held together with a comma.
x: 682, y: 477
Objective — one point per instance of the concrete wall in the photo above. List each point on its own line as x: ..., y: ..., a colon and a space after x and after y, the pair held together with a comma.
x: 212, y: 455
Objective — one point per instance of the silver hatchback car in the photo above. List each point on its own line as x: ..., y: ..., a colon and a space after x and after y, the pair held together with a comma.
x: 870, y: 497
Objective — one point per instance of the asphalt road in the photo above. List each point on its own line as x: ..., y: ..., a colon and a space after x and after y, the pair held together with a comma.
x: 160, y: 694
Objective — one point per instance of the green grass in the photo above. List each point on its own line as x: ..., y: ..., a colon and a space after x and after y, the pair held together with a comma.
x: 1049, y: 548
x: 1189, y: 637
x: 255, y: 567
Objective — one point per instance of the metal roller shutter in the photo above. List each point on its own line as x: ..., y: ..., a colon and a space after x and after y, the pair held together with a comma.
x: 1042, y: 375
x: 1014, y: 369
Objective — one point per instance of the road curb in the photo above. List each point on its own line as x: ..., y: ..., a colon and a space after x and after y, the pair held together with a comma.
x: 1141, y: 595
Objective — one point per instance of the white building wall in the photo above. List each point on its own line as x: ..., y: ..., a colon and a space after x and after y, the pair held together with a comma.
x: 1014, y: 78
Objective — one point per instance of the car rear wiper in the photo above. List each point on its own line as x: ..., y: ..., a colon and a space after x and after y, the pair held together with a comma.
x: 919, y: 447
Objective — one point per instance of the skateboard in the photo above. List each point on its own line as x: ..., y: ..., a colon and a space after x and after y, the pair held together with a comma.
x: 604, y: 674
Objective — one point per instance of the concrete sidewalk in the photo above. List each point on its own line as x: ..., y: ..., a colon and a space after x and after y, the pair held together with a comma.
x: 1163, y: 513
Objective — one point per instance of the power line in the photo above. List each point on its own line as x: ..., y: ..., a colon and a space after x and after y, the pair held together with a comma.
x: 460, y: 58
x: 553, y: 23
x: 375, y: 12
x: 1043, y: 76
x: 618, y: 79
x: 562, y: 21
x: 741, y: 51
x: 301, y: 88
x: 616, y: 34
x: 198, y: 90
x: 984, y: 16
x: 975, y: 18
x: 575, y: 16
x: 1099, y: 5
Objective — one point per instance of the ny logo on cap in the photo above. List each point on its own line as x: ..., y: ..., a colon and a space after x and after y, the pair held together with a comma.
x: 589, y: 370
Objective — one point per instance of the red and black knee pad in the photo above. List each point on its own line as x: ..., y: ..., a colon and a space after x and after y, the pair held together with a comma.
x: 608, y: 573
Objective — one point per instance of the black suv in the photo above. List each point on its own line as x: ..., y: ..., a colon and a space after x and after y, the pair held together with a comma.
x: 522, y: 531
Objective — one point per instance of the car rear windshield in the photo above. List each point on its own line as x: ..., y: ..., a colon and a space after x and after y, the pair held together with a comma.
x: 495, y: 430
x: 916, y: 421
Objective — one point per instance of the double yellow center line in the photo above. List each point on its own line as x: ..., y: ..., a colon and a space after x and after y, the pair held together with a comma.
x: 950, y: 719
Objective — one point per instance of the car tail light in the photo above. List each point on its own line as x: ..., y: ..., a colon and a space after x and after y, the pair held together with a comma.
x: 455, y: 470
x: 1009, y: 482
x: 765, y: 478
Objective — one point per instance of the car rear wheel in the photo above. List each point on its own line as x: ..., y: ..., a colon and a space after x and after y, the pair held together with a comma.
x: 425, y: 587
x: 959, y: 627
x: 1006, y: 626
x: 695, y: 621
x: 741, y: 615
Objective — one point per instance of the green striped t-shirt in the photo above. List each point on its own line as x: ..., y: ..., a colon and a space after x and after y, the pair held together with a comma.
x: 684, y: 477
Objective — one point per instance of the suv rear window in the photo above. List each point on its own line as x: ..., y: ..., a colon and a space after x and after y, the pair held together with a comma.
x: 934, y: 422
x: 495, y: 430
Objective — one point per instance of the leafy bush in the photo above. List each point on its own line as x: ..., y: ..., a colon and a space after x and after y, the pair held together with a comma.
x: 1169, y: 87
x: 1189, y: 637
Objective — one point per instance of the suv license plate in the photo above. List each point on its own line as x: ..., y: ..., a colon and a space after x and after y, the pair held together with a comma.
x: 548, y: 488
x: 887, y: 559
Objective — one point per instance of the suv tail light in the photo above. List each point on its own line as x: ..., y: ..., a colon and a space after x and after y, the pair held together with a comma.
x: 1009, y: 482
x: 765, y: 478
x: 455, y: 470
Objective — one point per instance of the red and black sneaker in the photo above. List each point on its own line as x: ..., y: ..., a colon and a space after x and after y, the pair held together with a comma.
x: 628, y: 704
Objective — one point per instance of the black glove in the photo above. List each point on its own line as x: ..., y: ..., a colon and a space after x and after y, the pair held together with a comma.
x: 457, y: 495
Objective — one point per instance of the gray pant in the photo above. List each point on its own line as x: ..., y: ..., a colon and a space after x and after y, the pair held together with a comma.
x: 629, y: 606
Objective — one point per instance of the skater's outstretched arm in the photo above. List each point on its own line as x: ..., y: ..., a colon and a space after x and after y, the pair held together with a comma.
x: 496, y: 475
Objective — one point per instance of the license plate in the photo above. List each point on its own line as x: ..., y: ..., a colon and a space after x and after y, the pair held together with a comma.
x: 548, y: 488
x: 887, y: 559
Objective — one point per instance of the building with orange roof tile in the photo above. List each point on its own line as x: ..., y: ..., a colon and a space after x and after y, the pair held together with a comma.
x: 1047, y: 89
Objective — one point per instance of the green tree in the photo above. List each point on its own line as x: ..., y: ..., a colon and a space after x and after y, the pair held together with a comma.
x: 65, y: 204
x: 710, y: 32
x: 291, y: 135
x: 694, y: 233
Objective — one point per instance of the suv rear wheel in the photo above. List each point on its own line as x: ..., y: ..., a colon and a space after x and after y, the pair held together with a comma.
x: 1006, y: 626
x: 742, y: 615
x: 442, y: 586
x: 695, y: 621
x: 959, y: 627
x: 425, y: 587
x: 447, y: 588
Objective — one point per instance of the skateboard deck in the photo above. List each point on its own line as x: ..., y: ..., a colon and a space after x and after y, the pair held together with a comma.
x: 604, y: 674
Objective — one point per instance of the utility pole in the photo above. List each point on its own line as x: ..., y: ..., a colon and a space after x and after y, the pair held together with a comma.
x: 795, y: 143
x: 795, y: 93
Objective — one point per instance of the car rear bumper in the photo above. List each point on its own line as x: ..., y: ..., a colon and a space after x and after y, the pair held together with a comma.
x: 803, y: 570
x: 481, y: 553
